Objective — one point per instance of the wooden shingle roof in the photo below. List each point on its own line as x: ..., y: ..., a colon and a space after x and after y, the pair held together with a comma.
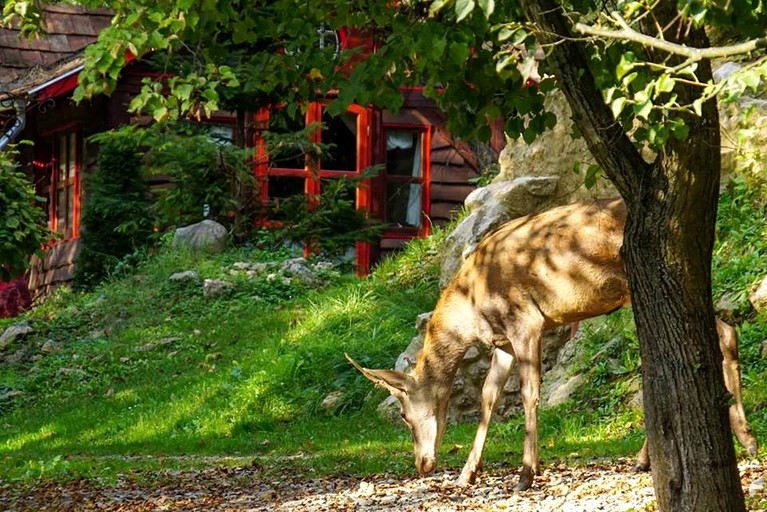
x: 69, y: 29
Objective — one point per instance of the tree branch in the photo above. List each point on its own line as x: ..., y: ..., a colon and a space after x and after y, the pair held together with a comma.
x: 626, y: 33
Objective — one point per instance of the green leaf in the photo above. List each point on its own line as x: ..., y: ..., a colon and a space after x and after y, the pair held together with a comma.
x: 626, y: 64
x: 665, y: 84
x: 643, y: 109
x: 592, y: 175
x: 506, y: 61
x: 436, y: 6
x: 487, y: 6
x: 679, y: 129
x: 617, y: 106
x: 750, y: 79
x: 160, y: 113
x: 506, y: 32
x: 697, y: 106
x: 459, y: 52
x: 463, y: 8
x: 183, y: 92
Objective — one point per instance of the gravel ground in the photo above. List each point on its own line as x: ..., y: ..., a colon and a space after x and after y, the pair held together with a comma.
x: 606, y: 486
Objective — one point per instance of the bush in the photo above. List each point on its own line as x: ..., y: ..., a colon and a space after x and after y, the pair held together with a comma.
x: 209, y: 178
x: 23, y: 226
x: 330, y: 220
x: 117, y: 218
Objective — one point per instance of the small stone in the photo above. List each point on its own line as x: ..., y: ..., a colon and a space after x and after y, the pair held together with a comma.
x: 186, y: 276
x: 332, y: 401
x: 367, y: 489
x: 14, y: 333
x: 472, y: 354
x: 52, y: 347
x: 215, y: 288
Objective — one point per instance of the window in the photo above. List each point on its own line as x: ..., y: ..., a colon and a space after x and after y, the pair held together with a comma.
x: 65, y: 183
x: 405, y: 195
x: 293, y: 168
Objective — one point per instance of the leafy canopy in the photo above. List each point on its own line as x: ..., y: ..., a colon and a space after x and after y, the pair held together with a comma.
x: 473, y: 57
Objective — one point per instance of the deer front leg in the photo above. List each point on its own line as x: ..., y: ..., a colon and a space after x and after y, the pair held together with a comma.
x: 497, y: 375
x: 530, y: 384
x: 728, y: 344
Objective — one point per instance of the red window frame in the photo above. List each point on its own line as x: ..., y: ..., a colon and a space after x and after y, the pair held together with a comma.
x: 313, y: 171
x: 424, y: 180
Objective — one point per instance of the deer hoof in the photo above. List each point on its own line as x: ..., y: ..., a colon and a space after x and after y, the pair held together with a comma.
x: 468, y: 477
x: 525, y: 482
x: 641, y: 467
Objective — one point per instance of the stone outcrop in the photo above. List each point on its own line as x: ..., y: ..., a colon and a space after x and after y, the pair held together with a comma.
x: 554, y: 153
x: 743, y: 125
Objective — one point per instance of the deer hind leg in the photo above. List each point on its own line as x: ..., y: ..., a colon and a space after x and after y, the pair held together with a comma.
x: 728, y: 344
x: 528, y: 351
x: 643, y: 457
x: 500, y: 369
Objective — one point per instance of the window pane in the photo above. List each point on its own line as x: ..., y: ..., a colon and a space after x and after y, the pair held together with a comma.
x: 63, y: 159
x: 403, y: 153
x: 403, y: 204
x: 281, y: 189
x: 71, y: 154
x: 341, y: 133
x: 70, y: 213
x: 289, y: 152
x: 61, y: 210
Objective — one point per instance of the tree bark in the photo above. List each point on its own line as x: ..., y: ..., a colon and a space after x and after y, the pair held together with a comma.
x: 667, y: 252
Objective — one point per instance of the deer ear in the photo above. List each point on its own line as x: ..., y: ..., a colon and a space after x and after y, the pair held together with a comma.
x: 397, y: 383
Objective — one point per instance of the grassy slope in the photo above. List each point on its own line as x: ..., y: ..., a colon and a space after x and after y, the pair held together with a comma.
x: 151, y: 374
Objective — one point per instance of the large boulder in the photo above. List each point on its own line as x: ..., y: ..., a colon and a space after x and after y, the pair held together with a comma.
x: 207, y: 235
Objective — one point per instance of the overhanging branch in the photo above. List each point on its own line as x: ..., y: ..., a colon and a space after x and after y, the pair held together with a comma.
x: 626, y: 33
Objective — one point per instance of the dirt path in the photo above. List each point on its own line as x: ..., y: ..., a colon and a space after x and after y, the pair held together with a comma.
x: 599, y: 486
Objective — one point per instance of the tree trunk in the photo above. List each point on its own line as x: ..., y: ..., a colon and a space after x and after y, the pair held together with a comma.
x: 667, y: 251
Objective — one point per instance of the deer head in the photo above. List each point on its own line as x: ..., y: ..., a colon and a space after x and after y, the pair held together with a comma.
x: 424, y: 411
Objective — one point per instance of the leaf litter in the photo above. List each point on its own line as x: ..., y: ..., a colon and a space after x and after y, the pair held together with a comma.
x: 595, y: 486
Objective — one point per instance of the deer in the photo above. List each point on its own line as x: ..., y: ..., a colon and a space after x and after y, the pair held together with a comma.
x: 534, y: 273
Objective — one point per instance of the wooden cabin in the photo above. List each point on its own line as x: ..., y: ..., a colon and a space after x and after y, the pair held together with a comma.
x: 426, y: 174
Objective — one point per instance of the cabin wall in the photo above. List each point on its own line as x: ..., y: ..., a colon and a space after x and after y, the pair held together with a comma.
x: 57, y: 266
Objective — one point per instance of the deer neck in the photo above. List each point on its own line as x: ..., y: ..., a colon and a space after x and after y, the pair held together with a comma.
x: 439, y: 358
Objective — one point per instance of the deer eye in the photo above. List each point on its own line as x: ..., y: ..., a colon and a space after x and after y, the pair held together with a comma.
x: 402, y: 415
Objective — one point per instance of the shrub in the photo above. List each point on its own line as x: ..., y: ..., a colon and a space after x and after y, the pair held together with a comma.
x: 117, y: 218
x: 23, y: 226
x: 209, y: 178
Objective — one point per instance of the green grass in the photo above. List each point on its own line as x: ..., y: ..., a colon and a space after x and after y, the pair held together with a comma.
x: 151, y: 375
